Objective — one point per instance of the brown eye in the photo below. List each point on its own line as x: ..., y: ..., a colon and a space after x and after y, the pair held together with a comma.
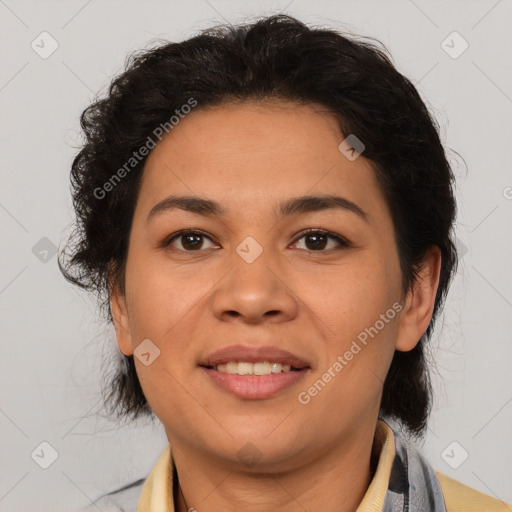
x: 315, y: 240
x: 192, y: 242
x: 188, y: 241
x: 318, y: 241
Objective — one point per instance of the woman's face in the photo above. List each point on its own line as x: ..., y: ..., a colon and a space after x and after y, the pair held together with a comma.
x: 250, y: 283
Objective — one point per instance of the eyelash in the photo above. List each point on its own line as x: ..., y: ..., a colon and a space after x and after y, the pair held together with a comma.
x: 343, y: 242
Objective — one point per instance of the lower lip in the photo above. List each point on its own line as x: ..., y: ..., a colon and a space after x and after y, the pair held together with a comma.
x: 252, y: 387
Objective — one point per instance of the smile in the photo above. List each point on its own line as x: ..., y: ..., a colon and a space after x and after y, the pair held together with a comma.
x: 254, y: 381
x: 258, y: 368
x: 252, y: 372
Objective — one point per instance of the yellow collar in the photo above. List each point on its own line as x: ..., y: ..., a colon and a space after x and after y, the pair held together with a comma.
x: 373, y: 500
x: 157, y: 495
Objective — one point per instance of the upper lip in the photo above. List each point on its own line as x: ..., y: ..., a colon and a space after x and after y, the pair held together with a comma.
x: 252, y: 354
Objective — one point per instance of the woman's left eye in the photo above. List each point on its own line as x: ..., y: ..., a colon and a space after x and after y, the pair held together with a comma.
x: 318, y: 240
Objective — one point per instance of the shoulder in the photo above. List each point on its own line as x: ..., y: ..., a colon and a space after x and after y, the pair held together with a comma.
x: 123, y: 499
x: 461, y: 498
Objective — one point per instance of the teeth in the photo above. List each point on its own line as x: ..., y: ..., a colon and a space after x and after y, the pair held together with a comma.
x: 245, y: 368
x: 262, y: 368
x: 231, y: 367
x: 259, y: 368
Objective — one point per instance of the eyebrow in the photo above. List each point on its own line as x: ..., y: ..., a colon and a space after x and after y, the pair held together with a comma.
x: 295, y: 205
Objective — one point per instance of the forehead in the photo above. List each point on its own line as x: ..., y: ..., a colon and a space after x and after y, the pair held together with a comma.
x: 251, y: 153
x: 251, y: 125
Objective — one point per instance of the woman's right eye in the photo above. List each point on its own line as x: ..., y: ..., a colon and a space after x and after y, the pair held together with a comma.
x: 188, y: 240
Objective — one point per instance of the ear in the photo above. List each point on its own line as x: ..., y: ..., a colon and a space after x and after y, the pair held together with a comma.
x: 121, y: 320
x: 419, y: 302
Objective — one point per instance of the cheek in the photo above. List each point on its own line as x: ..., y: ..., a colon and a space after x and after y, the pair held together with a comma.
x: 359, y: 306
x: 158, y: 300
x: 353, y: 297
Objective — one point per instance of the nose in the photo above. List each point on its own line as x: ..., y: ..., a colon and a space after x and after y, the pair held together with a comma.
x: 255, y: 293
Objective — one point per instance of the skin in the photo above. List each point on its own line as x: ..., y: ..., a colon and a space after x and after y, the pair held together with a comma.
x: 314, y: 303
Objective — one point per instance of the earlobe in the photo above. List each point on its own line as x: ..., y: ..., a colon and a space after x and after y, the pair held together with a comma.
x: 419, y: 303
x: 121, y: 321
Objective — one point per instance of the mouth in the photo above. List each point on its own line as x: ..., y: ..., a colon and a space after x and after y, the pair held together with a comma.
x: 254, y: 373
x: 259, y: 368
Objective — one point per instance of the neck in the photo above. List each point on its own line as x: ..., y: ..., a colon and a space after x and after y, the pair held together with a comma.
x: 334, y: 481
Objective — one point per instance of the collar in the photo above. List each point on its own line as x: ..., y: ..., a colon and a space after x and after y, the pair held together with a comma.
x: 384, y: 446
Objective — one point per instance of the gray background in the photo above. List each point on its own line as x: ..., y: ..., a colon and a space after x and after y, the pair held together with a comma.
x: 53, y: 341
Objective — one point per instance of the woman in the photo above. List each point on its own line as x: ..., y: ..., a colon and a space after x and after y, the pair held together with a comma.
x: 267, y: 212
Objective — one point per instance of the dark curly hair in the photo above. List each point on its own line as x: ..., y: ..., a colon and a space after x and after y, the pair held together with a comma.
x: 276, y: 57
